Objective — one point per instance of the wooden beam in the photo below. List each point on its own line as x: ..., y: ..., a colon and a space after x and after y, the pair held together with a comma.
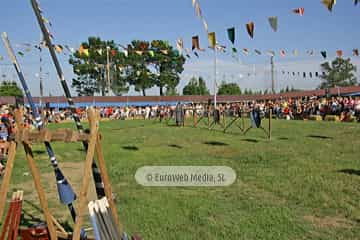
x: 87, y: 173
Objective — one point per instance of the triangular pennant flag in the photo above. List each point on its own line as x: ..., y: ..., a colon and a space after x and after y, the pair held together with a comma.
x: 81, y: 50
x: 310, y: 74
x: 304, y: 74
x: 220, y: 48
x: 99, y: 51
x: 151, y: 53
x: 271, y: 53
x: 196, y: 54
x: 310, y: 52
x: 58, y: 48
x: 113, y: 52
x: 1, y: 58
x: 296, y: 52
x: 234, y: 50
x: 257, y: 52
x: 180, y: 45
x: 316, y: 74
x: 245, y: 51
x: 212, y: 40
x: 164, y: 51
x: 86, y: 52
x: 196, y: 44
x: 250, y: 27
x: 282, y: 53
x: 273, y: 23
x: 356, y: 52
x: 323, y: 54
x: 329, y: 4
x: 139, y: 52
x: 356, y: 2
x: 299, y: 11
x: 126, y: 52
x: 21, y: 53
x: 231, y: 34
x: 339, y: 53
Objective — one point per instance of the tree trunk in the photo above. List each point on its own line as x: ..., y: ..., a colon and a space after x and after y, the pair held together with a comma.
x: 161, y: 91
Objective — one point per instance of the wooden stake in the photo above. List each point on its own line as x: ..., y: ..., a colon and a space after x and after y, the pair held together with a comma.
x: 87, y: 174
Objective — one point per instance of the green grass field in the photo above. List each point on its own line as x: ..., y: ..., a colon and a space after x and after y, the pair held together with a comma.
x: 303, y: 184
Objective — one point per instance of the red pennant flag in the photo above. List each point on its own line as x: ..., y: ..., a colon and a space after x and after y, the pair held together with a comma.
x: 356, y: 52
x: 299, y: 11
x: 339, y: 53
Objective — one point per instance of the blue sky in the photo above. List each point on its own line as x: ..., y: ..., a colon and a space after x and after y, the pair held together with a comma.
x: 125, y: 20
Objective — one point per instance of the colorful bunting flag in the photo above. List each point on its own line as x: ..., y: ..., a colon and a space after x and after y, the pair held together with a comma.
x: 356, y: 52
x: 245, y: 51
x: 196, y: 44
x: 231, y: 34
x: 180, y: 45
x: 282, y: 53
x: 250, y: 27
x: 58, y: 48
x: 164, y: 51
x: 299, y: 11
x: 212, y: 40
x: 271, y: 53
x: 295, y: 52
x: 257, y: 52
x: 323, y: 54
x: 329, y: 4
x: 234, y: 50
x: 196, y: 54
x: 273, y: 23
x: 151, y: 53
x: 113, y: 52
x: 138, y: 52
x: 20, y: 53
x: 339, y: 53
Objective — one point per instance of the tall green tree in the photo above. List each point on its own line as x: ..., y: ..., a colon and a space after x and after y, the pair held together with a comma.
x: 167, y: 63
x: 10, y: 88
x: 90, y: 68
x: 135, y: 66
x: 340, y: 73
x: 229, y: 89
x: 196, y: 86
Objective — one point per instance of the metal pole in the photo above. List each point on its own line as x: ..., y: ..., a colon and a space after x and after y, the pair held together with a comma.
x: 108, y: 68
x: 215, y: 70
x: 96, y: 172
x: 272, y: 74
x: 40, y: 74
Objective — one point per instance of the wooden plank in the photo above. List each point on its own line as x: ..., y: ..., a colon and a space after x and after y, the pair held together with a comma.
x: 45, y: 135
x: 86, y: 175
x: 107, y: 184
x: 7, y: 177
x: 40, y: 190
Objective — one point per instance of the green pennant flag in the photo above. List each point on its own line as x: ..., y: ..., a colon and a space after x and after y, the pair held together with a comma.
x: 231, y: 34
x: 21, y: 53
x: 151, y: 53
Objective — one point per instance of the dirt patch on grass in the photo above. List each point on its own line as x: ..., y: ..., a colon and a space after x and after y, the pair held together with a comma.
x: 329, y: 222
x: 74, y: 173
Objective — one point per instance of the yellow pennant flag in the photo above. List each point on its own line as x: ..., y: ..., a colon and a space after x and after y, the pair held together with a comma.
x: 212, y: 39
x: 86, y: 52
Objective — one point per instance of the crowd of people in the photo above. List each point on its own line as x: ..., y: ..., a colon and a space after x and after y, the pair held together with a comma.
x: 345, y: 108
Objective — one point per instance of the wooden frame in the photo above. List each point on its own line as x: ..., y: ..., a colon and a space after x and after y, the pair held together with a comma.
x: 26, y: 138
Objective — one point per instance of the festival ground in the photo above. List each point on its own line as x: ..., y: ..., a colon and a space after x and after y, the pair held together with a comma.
x: 303, y: 184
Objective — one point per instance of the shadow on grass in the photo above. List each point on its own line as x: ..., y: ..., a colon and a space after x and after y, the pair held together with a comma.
x: 131, y: 148
x: 250, y: 140
x: 175, y: 146
x: 319, y: 137
x: 39, y: 151
x: 283, y: 138
x: 215, y: 143
x: 350, y: 171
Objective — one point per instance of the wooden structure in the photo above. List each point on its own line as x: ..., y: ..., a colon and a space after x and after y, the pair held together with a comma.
x: 26, y: 137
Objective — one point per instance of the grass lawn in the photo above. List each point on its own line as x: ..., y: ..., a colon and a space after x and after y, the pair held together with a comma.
x: 303, y: 184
